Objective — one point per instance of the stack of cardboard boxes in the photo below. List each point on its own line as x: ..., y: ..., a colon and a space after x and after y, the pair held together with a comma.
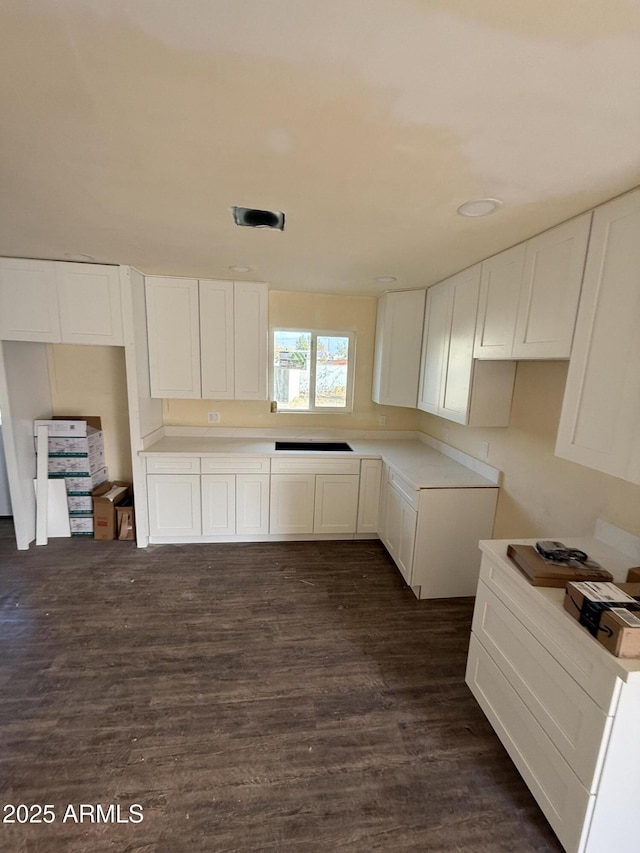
x: 76, y: 455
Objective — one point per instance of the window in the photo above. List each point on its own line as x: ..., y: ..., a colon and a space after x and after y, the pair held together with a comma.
x: 313, y: 371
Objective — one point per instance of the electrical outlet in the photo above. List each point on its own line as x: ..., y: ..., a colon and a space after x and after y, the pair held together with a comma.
x: 382, y: 420
x: 484, y: 450
x: 213, y: 417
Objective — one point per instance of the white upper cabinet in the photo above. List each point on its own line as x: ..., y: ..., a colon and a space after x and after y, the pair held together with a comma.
x: 529, y: 295
x: 216, y: 340
x: 396, y: 367
x: 551, y: 281
x: 499, y: 295
x: 600, y: 420
x: 452, y: 385
x: 55, y: 302
x: 174, y: 336
x: 28, y: 301
x: 207, y: 339
x: 90, y: 303
x: 251, y: 340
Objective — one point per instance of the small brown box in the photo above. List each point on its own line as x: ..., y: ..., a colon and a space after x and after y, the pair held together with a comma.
x: 620, y: 632
x: 105, y: 499
x: 633, y: 575
x: 125, y: 522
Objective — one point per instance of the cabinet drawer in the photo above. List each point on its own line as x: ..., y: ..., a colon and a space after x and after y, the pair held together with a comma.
x: 404, y: 488
x: 582, y: 657
x: 565, y: 802
x: 572, y: 720
x: 173, y: 464
x: 314, y: 465
x: 235, y: 464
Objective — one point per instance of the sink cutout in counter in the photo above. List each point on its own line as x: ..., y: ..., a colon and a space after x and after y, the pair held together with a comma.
x: 312, y: 446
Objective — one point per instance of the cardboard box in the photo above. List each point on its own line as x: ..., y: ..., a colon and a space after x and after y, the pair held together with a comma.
x: 68, y: 426
x: 80, y: 504
x: 81, y: 525
x: 81, y: 484
x: 125, y: 522
x: 633, y: 575
x: 105, y: 499
x: 87, y: 445
x: 76, y: 464
x: 610, y: 612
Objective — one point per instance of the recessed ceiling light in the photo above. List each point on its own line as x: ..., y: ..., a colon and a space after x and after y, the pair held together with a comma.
x: 386, y: 279
x: 80, y: 258
x: 479, y: 207
x: 238, y: 268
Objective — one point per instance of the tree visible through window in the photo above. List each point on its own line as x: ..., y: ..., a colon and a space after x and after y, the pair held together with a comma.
x: 313, y: 371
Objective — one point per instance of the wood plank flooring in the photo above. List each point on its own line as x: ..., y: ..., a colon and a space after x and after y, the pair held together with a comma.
x: 252, y: 697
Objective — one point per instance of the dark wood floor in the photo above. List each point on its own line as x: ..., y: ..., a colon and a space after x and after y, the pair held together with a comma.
x: 260, y: 697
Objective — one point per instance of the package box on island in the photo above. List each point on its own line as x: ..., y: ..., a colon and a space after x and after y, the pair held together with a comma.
x: 68, y: 426
x: 610, y: 612
x: 105, y: 498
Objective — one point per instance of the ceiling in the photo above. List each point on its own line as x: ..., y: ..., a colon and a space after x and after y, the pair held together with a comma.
x: 131, y: 127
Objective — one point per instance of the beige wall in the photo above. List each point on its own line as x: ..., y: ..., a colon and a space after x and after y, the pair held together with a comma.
x: 308, y: 311
x: 91, y: 380
x: 541, y: 495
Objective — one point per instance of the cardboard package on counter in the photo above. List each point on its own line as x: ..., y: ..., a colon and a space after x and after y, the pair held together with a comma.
x: 610, y: 612
x: 633, y: 575
x: 540, y: 573
x: 105, y: 500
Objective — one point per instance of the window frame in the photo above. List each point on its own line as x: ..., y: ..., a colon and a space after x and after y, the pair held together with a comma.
x: 315, y: 334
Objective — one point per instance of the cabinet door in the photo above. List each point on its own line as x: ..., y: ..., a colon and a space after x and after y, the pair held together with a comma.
x: 174, y: 336
x: 251, y: 338
x: 499, y: 295
x: 401, y: 532
x: 369, y: 497
x: 218, y: 504
x: 336, y: 503
x: 458, y: 360
x: 216, y: 339
x: 252, y: 504
x: 174, y: 505
x: 600, y: 419
x: 551, y: 282
x: 28, y: 301
x: 90, y: 303
x: 398, y: 347
x: 434, y: 346
x: 292, y: 500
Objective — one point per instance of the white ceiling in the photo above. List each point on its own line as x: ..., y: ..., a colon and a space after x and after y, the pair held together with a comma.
x: 131, y: 127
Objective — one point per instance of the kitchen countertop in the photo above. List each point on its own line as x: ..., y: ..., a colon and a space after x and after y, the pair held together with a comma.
x: 423, y: 466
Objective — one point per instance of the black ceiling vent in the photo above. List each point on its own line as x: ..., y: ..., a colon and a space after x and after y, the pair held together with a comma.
x: 252, y: 218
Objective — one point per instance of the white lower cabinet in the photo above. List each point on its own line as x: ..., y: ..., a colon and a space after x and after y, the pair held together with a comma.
x: 432, y: 534
x: 292, y: 503
x: 336, y: 503
x: 174, y: 505
x: 252, y: 504
x: 369, y: 497
x: 218, y: 504
x: 564, y: 708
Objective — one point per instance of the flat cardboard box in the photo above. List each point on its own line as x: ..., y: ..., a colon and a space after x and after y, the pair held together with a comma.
x: 65, y: 426
x: 540, y: 573
x: 610, y: 612
x: 105, y: 499
x: 125, y: 522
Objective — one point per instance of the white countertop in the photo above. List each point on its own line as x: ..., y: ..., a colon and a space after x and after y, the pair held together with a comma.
x: 552, y: 598
x: 423, y: 466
